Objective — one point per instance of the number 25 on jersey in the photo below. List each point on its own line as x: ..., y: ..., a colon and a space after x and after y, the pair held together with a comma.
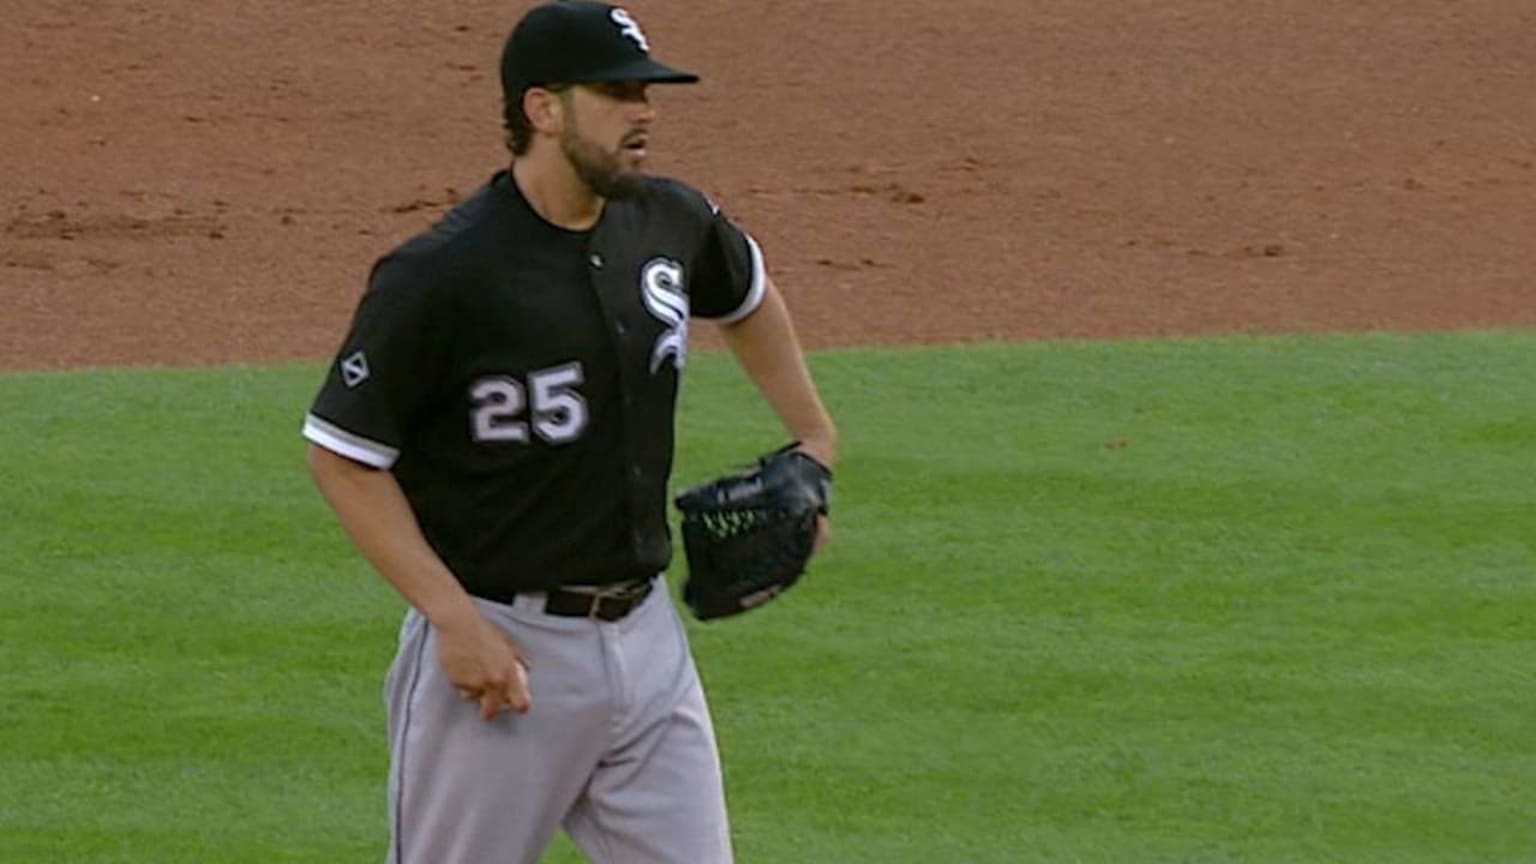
x: 503, y: 409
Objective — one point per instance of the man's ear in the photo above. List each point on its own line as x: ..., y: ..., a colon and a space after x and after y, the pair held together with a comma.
x: 545, y: 110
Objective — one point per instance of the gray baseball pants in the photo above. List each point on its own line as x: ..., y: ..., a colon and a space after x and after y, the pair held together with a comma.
x: 618, y: 748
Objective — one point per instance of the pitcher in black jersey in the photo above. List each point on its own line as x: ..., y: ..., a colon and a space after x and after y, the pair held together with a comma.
x: 496, y: 436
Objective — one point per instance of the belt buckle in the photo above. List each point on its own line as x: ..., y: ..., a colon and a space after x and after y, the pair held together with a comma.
x: 594, y: 607
x: 598, y: 596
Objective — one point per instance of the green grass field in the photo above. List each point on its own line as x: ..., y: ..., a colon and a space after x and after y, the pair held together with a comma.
x: 1242, y: 600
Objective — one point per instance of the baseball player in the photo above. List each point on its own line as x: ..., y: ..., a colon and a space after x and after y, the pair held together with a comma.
x: 496, y: 437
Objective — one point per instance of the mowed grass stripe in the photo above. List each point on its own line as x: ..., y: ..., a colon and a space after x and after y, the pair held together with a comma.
x: 1260, y: 600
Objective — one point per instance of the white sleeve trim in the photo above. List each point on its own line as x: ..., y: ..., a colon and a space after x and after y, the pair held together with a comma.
x: 353, y: 446
x: 755, y: 293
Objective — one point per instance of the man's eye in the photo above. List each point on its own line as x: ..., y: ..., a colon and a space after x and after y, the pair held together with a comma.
x: 624, y: 91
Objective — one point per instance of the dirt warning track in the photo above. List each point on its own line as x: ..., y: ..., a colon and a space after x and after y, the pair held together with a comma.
x: 209, y: 182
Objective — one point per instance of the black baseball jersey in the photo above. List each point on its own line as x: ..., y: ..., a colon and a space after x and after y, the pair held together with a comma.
x: 520, y: 380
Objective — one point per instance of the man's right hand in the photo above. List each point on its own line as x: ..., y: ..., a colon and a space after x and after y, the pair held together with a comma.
x: 481, y: 662
x: 477, y: 656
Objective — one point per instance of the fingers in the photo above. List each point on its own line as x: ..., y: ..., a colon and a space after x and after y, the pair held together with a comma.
x: 518, y: 697
x: 484, y: 665
x: 490, y: 701
x: 490, y: 705
x: 506, y: 693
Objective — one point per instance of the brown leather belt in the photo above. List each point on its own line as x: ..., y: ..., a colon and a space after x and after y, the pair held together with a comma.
x: 601, y: 603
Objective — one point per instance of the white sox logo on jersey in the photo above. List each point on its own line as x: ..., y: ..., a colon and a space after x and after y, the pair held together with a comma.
x: 354, y: 369
x: 661, y: 287
x: 630, y: 28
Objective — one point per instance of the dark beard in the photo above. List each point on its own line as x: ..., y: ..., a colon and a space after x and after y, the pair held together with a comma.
x: 599, y: 169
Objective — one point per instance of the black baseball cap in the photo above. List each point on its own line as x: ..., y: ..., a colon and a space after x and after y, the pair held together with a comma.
x: 577, y: 42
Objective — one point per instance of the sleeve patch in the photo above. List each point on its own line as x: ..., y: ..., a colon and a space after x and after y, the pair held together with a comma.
x: 354, y: 369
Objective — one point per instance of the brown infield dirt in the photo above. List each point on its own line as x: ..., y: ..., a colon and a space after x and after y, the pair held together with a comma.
x: 206, y: 182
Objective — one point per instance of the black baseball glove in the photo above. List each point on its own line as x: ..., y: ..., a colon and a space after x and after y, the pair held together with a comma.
x: 748, y: 535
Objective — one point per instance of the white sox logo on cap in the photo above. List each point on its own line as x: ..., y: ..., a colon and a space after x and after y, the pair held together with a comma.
x: 661, y: 287
x: 630, y: 28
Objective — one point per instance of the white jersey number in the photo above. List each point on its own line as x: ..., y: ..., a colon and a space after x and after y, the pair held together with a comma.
x: 558, y: 412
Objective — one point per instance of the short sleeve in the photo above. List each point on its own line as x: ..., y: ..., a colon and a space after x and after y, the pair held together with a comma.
x: 389, y: 362
x: 729, y: 278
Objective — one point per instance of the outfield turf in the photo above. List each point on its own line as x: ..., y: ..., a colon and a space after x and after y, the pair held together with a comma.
x: 1241, y: 600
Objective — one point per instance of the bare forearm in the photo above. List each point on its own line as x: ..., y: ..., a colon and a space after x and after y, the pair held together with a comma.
x: 767, y: 348
x: 375, y: 514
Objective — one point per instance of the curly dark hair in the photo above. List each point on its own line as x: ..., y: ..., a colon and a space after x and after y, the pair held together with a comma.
x: 519, y: 132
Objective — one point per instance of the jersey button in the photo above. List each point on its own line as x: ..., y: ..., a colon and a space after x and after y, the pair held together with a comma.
x: 619, y: 328
x: 597, y: 261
